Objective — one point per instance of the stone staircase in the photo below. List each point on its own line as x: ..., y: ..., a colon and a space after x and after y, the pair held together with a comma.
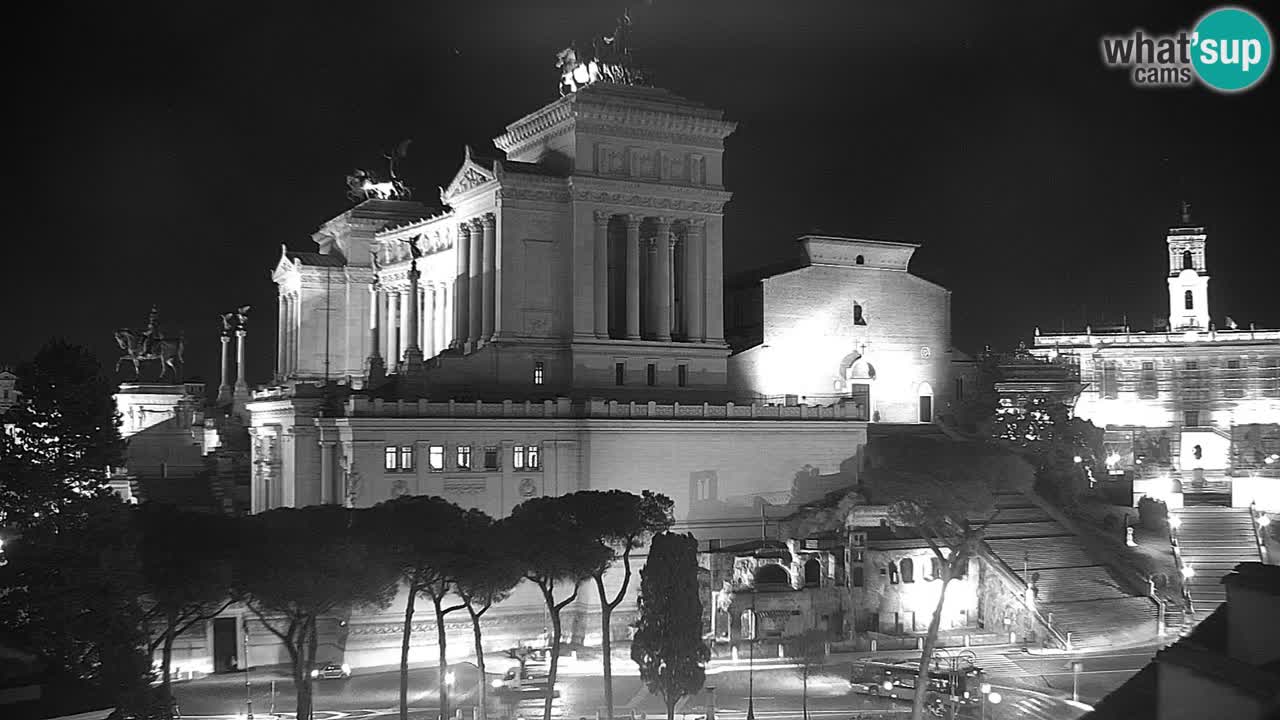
x: 1213, y: 540
x: 1074, y: 590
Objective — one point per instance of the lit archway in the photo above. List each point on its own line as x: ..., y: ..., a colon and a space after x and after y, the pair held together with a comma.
x: 925, y: 394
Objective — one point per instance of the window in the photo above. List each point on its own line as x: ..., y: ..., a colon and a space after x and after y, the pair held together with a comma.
x: 959, y: 389
x: 651, y: 374
x: 813, y: 573
x: 397, y: 458
x: 1191, y: 365
x: 935, y: 568
x: 619, y: 373
x: 1188, y: 301
x: 491, y: 458
x: 390, y: 458
x: 1233, y: 364
x: 682, y: 375
x: 525, y: 457
x: 406, y: 457
x: 1188, y: 263
x: 538, y: 372
x: 435, y: 458
x: 1109, y: 389
x: 926, y: 408
x: 1147, y: 386
x: 893, y: 574
x: 859, y: 260
x: 1191, y: 418
x: 464, y: 457
x: 857, y: 315
x: 908, y: 570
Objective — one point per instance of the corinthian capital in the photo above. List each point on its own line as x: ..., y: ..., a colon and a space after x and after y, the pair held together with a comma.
x: 602, y: 217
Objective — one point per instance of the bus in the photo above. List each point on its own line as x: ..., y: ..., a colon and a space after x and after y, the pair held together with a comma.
x: 950, y: 686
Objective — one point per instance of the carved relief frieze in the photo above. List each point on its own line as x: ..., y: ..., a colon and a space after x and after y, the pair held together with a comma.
x: 648, y: 201
x: 464, y: 486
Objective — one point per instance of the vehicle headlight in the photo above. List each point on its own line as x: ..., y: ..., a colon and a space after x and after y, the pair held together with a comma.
x: 496, y: 683
x: 346, y: 669
x: 315, y: 673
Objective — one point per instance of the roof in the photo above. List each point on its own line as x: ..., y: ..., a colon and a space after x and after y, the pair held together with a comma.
x: 316, y: 259
x: 1255, y: 576
x: 526, y: 168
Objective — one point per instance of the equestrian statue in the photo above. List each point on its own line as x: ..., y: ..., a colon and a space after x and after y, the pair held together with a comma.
x: 149, y: 344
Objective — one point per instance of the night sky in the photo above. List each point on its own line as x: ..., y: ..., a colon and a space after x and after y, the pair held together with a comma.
x: 164, y: 151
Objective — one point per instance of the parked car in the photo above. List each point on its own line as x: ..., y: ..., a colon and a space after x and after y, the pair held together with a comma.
x: 331, y: 671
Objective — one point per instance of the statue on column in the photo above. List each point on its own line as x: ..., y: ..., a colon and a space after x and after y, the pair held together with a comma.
x: 242, y: 317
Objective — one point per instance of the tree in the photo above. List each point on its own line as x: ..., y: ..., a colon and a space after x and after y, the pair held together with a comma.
x: 622, y: 522
x: 300, y: 565
x: 810, y: 650
x: 425, y: 535
x: 186, y: 574
x: 940, y: 491
x: 63, y: 436
x: 554, y: 548
x: 668, y: 644
x: 494, y: 571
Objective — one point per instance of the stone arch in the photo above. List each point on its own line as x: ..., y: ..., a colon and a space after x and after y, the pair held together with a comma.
x: 925, y: 394
x: 1188, y: 261
x: 859, y: 260
x: 772, y: 574
x: 813, y: 573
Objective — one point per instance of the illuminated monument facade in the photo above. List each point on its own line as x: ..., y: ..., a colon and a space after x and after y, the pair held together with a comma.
x: 1190, y: 398
x: 559, y: 326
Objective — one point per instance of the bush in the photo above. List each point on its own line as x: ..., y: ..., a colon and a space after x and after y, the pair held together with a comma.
x: 1153, y: 514
x: 1110, y: 522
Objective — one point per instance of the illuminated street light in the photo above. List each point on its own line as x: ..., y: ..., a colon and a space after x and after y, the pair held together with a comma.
x: 887, y: 685
x: 1188, y: 572
x: 1077, y: 459
x: 1113, y: 459
x: 994, y: 698
x: 449, y: 677
x: 1264, y: 520
x: 1175, y: 521
x: 985, y: 688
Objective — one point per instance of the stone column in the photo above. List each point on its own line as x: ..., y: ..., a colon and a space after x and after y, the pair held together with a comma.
x: 291, y: 332
x: 387, y: 327
x: 662, y: 280
x: 601, y: 287
x: 429, y: 318
x: 224, y: 390
x: 694, y: 300
x: 393, y: 324
x: 282, y: 313
x: 241, y: 385
x: 412, y: 350
x: 461, y: 287
x: 405, y: 307
x: 673, y: 318
x: 446, y: 317
x: 376, y: 370
x: 490, y: 279
x: 714, y: 278
x: 633, y: 277
x: 475, y: 285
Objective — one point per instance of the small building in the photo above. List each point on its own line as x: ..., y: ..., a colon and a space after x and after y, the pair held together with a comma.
x: 8, y: 388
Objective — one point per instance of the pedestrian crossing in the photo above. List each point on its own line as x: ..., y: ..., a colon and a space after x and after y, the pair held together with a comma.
x: 1034, y: 708
x: 998, y: 665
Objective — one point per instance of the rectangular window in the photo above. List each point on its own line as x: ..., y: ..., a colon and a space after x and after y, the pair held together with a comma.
x: 682, y: 375
x: 959, y: 389
x: 517, y: 457
x: 435, y: 458
x: 651, y: 373
x: 464, y: 457
x: 406, y: 457
x: 1233, y: 364
x: 390, y: 458
x: 1147, y: 386
x: 538, y: 372
x: 1191, y: 365
x: 1191, y: 418
x: 1109, y: 388
x: 491, y: 458
x: 533, y: 458
x: 619, y: 373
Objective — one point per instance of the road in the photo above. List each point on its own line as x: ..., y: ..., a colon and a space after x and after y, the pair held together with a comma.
x: 1031, y: 687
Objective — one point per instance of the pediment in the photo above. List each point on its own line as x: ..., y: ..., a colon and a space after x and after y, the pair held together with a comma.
x: 284, y: 266
x: 471, y: 175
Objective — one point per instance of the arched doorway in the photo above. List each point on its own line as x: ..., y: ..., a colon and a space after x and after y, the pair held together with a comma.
x: 812, y: 573
x: 926, y: 402
x: 859, y: 376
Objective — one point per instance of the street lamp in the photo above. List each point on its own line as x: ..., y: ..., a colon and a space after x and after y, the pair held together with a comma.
x: 751, y: 662
x: 248, y: 692
x: 984, y: 689
x: 1188, y: 572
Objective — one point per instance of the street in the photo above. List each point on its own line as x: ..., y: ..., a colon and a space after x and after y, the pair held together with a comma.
x: 1037, y: 687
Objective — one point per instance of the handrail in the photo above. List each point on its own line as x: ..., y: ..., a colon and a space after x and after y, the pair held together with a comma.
x: 1011, y: 575
x: 1257, y: 530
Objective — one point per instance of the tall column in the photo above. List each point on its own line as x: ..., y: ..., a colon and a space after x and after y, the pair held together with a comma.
x: 328, y: 495
x: 224, y: 390
x: 694, y: 300
x: 292, y: 333
x: 429, y: 320
x: 405, y: 306
x: 282, y: 321
x: 387, y: 328
x: 475, y: 285
x: 461, y: 287
x: 447, y: 325
x: 393, y: 325
x: 662, y: 280
x: 411, y: 299
x: 241, y: 385
x: 489, y: 267
x: 376, y: 370
x: 601, y: 287
x: 672, y: 318
x: 714, y: 276
x: 633, y: 277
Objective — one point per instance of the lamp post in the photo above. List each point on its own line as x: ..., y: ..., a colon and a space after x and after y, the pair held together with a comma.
x: 1076, y: 667
x: 751, y: 662
x: 248, y: 693
x: 985, y: 690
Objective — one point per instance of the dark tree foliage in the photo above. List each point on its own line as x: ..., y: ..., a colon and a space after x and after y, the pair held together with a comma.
x: 623, y: 522
x: 425, y: 541
x: 297, y: 566
x: 63, y: 436
x: 494, y: 571
x: 71, y: 589
x: 668, y: 644
x: 555, y: 548
x: 186, y: 573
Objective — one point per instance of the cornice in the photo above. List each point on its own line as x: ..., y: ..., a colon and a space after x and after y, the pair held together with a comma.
x: 535, y: 124
x: 649, y: 195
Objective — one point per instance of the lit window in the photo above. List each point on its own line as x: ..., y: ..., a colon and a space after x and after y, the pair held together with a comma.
x: 651, y: 373
x: 682, y: 375
x: 1188, y: 301
x: 619, y: 373
x: 435, y: 458
x: 464, y: 457
x: 406, y: 457
x: 390, y: 457
x: 491, y: 458
x: 517, y: 457
x: 538, y: 370
x: 533, y: 460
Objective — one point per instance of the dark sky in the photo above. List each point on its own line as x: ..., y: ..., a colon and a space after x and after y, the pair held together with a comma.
x: 166, y: 150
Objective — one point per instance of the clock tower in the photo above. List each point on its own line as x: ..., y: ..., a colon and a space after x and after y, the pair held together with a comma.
x: 1188, y: 277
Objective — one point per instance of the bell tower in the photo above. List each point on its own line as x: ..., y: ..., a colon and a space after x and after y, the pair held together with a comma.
x: 1188, y: 276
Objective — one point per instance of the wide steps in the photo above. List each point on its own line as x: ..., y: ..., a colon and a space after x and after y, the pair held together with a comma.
x: 1019, y: 514
x: 1026, y: 530
x: 1095, y: 623
x: 1041, y: 553
x: 1212, y: 541
x: 1012, y: 500
x: 1066, y: 585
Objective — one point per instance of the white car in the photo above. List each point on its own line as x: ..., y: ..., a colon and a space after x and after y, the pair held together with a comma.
x: 331, y: 671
